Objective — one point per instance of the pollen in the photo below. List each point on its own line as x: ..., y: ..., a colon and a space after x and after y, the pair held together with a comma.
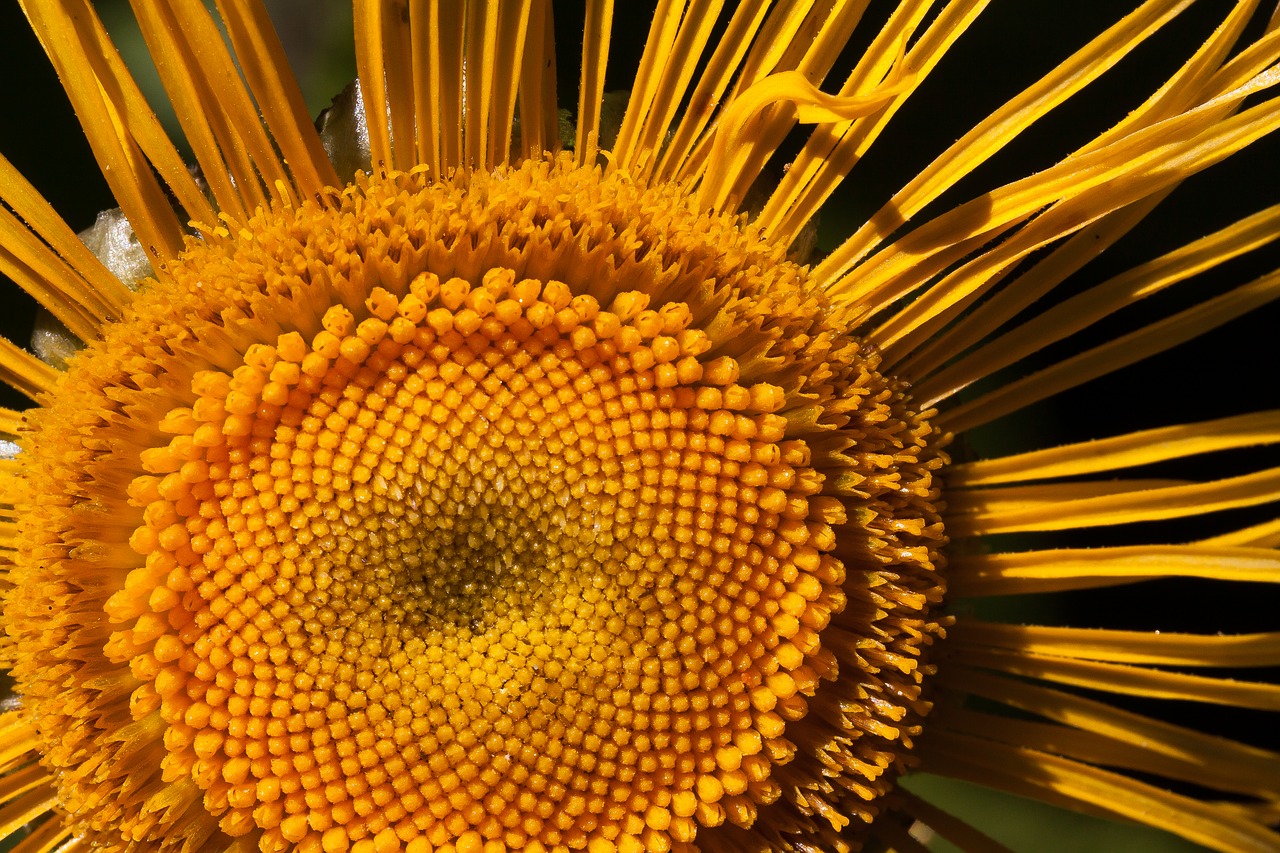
x: 525, y: 511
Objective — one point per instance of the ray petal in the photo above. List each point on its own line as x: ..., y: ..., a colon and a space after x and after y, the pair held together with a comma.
x: 482, y: 43
x: 1234, y: 766
x: 201, y: 77
x: 677, y: 71
x: 1005, y: 303
x: 1263, y: 535
x: 712, y: 83
x: 1120, y: 352
x: 1070, y: 783
x: 63, y: 29
x: 539, y: 118
x: 46, y: 277
x: 1079, y: 312
x: 24, y: 372
x: 1129, y: 680
x: 596, y: 30
x: 1093, y: 749
x: 1083, y: 568
x: 1124, y: 451
x: 1008, y: 510
x: 10, y: 421
x: 370, y: 64
x: 29, y: 805
x: 810, y: 54
x: 1198, y: 79
x: 1097, y: 182
x: 729, y: 157
x: 1137, y: 647
x: 83, y: 279
x: 832, y: 151
x: 424, y: 44
x: 45, y: 838
x: 262, y: 58
x: 992, y: 134
x: 648, y: 76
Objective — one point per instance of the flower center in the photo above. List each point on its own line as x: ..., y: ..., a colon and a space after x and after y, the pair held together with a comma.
x: 478, y: 514
x: 481, y: 531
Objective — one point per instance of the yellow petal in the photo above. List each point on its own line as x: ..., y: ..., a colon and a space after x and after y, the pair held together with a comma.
x: 1125, y: 451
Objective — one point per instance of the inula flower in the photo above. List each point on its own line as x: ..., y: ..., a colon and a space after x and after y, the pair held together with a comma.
x: 477, y: 472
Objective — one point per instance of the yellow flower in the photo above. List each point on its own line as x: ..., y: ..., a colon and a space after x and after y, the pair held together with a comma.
x: 519, y: 493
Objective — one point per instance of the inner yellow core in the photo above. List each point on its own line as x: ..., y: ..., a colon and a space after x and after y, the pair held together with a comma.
x: 492, y: 560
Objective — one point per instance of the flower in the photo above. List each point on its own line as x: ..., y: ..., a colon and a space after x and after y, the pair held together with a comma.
x: 528, y: 493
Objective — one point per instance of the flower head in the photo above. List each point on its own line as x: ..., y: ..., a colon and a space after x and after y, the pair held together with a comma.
x: 534, y: 493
